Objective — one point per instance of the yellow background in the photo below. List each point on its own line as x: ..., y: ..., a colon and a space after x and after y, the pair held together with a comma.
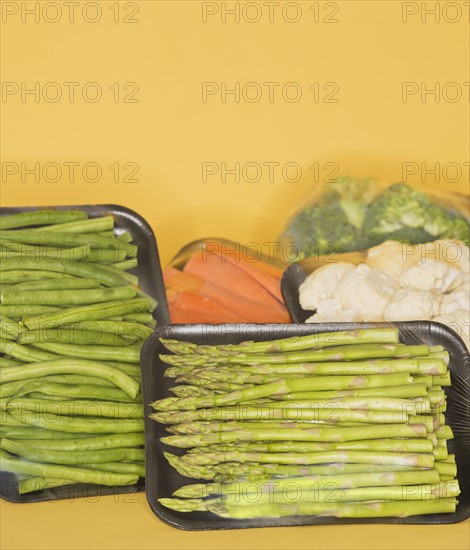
x: 170, y: 132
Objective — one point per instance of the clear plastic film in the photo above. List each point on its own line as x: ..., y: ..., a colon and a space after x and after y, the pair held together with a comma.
x: 349, y: 215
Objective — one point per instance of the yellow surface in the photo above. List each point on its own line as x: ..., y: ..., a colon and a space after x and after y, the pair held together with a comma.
x: 363, y: 61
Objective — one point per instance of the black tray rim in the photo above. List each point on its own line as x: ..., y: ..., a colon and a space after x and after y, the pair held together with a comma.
x: 161, y: 314
x: 167, y: 516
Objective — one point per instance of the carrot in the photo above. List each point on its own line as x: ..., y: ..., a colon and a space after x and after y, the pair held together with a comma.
x: 234, y: 251
x: 178, y: 315
x: 270, y: 283
x: 219, y: 272
x: 194, y: 303
x: 253, y: 312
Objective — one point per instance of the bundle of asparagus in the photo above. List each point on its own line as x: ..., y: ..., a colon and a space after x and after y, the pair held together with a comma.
x: 345, y: 424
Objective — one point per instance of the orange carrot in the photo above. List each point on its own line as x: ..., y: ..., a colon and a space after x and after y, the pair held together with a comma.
x: 194, y: 303
x: 253, y: 312
x: 178, y: 315
x: 270, y: 283
x: 219, y: 272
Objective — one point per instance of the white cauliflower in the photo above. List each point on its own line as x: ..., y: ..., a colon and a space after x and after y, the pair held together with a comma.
x: 367, y: 290
x: 398, y: 282
x: 431, y: 275
x: 465, y: 286
x: 332, y: 310
x: 459, y: 322
x: 409, y: 304
x: 459, y: 299
x: 455, y: 253
x: 392, y: 257
x: 319, y: 285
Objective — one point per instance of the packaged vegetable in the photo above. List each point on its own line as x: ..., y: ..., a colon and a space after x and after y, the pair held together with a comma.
x: 392, y: 282
x: 355, y: 214
x: 217, y: 281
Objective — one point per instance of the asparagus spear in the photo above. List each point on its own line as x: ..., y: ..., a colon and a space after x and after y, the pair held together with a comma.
x: 281, y: 387
x: 330, y: 415
x: 307, y: 482
x: 424, y: 493
x: 391, y: 445
x: 233, y: 471
x: 189, y: 391
x: 315, y: 433
x: 432, y: 366
x: 337, y: 353
x: 351, y: 510
x: 408, y: 391
x: 420, y: 460
x: 295, y: 343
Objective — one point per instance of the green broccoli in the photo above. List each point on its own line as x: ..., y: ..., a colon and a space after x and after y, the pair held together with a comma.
x: 405, y: 214
x: 321, y: 230
x: 334, y: 223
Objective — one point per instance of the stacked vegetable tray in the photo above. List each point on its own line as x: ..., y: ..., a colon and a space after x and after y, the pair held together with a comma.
x: 81, y: 290
x: 267, y: 425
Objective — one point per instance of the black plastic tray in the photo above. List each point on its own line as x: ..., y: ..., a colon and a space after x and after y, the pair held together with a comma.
x: 292, y: 278
x: 151, y: 281
x: 162, y: 480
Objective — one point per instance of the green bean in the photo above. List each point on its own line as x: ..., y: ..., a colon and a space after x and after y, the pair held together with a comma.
x: 70, y: 457
x: 41, y: 217
x: 119, y: 467
x: 38, y: 483
x: 28, y: 355
x: 42, y: 396
x: 11, y: 388
x: 126, y: 354
x: 106, y: 234
x: 18, y: 312
x: 71, y: 366
x: 10, y: 464
x: 128, y: 368
x: 75, y: 297
x: 54, y: 253
x: 81, y: 269
x: 22, y: 431
x: 78, y: 379
x: 58, y: 238
x: 126, y: 264
x: 9, y: 420
x: 69, y: 335
x: 21, y: 275
x: 129, y: 277
x: 125, y: 236
x: 95, y: 443
x: 9, y: 362
x: 106, y: 409
x: 88, y: 424
x: 56, y: 284
x: 9, y: 329
x: 86, y: 313
x: 17, y: 248
x: 91, y: 225
x: 67, y: 391
x: 123, y: 329
x: 143, y: 318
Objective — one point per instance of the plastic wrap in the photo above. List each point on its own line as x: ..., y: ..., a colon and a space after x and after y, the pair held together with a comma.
x: 390, y: 282
x: 348, y: 215
x: 162, y: 480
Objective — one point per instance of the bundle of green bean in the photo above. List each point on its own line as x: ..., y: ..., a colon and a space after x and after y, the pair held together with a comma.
x: 345, y: 424
x: 72, y: 323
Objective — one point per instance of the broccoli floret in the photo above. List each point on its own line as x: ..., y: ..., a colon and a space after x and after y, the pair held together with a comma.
x: 459, y: 229
x: 334, y: 223
x: 353, y: 196
x: 405, y: 214
x: 321, y: 230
